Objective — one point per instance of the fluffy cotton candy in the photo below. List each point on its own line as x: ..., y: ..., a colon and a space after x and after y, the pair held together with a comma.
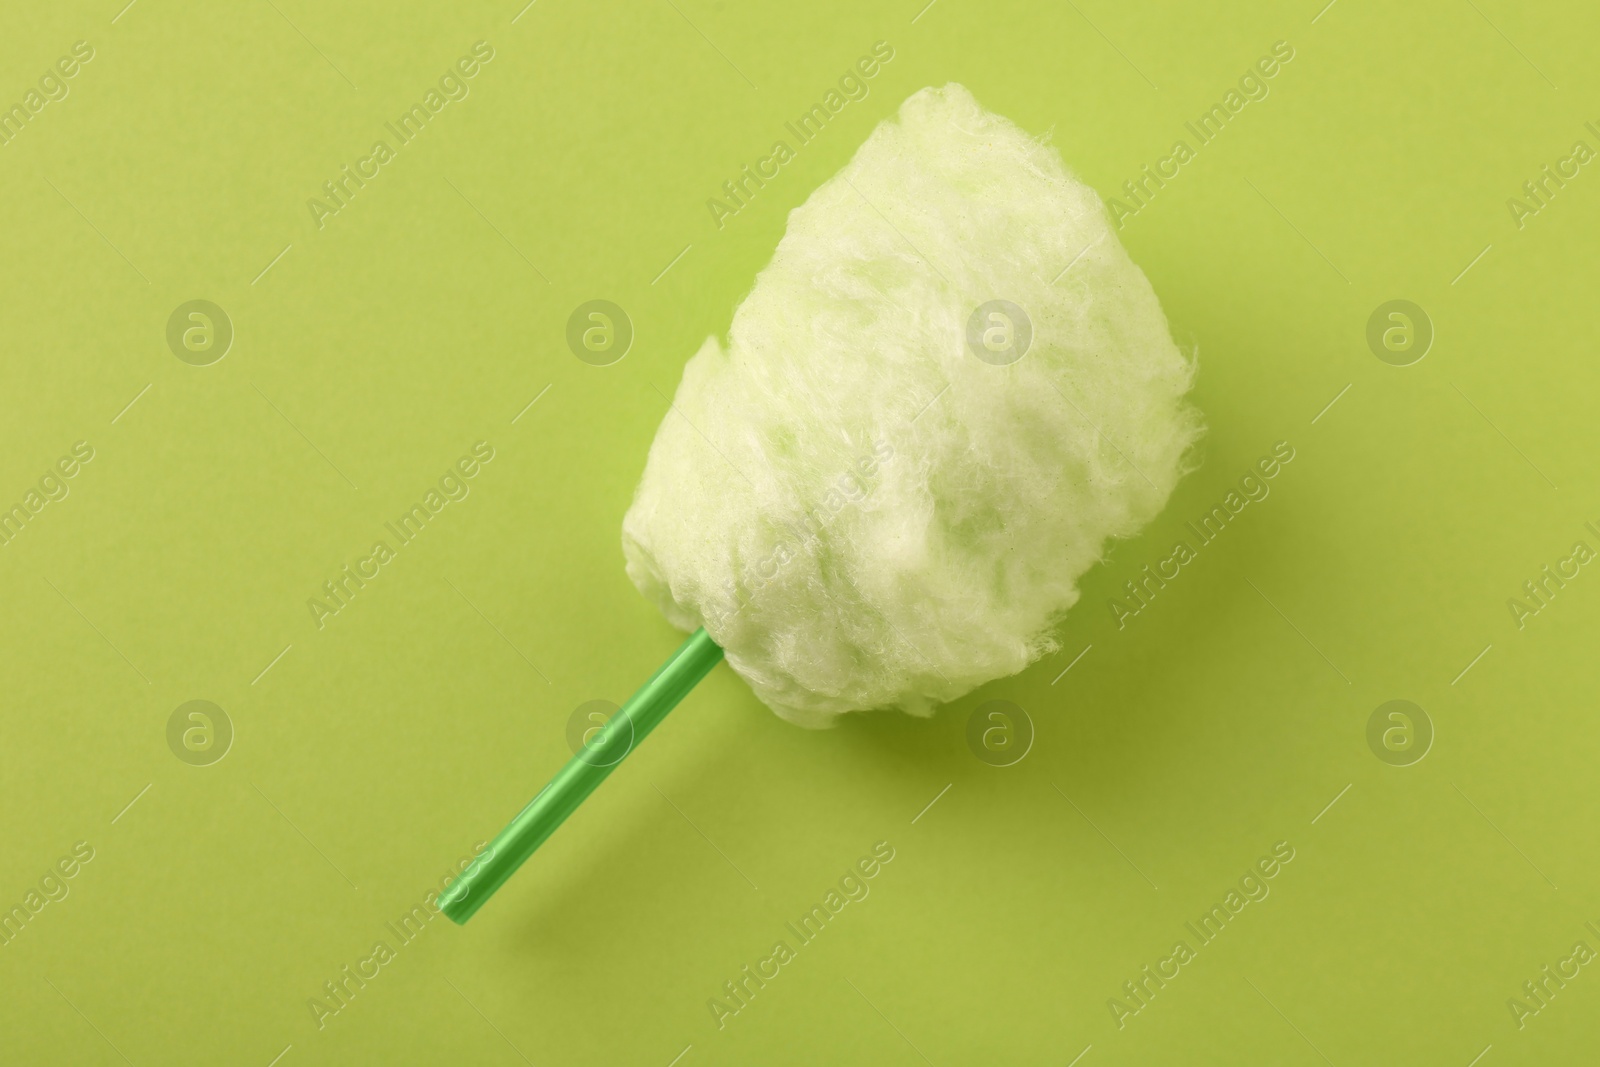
x: 858, y: 508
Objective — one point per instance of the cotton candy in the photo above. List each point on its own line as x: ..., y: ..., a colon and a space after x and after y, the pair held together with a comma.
x: 946, y: 392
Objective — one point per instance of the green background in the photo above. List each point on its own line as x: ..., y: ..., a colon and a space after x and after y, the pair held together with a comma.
x: 375, y: 752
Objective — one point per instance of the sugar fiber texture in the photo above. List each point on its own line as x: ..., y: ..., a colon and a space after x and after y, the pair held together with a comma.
x: 862, y: 507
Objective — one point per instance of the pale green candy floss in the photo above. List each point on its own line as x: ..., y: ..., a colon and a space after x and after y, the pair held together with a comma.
x: 864, y: 496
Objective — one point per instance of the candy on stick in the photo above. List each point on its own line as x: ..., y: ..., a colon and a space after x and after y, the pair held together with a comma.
x: 946, y: 392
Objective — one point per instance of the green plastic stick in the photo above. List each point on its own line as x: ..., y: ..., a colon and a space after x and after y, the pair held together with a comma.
x: 574, y: 782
